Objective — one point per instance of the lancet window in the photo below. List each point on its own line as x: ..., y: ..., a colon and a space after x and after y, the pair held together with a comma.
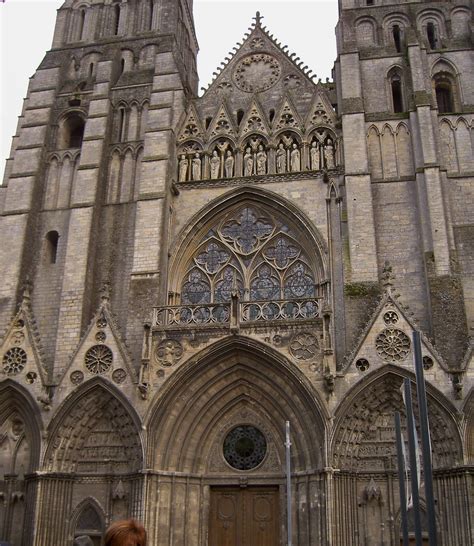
x: 252, y: 254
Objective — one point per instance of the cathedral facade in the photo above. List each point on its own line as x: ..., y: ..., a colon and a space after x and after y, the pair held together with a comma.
x: 183, y: 274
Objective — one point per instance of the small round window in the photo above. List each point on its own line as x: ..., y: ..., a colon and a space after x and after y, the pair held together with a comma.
x: 244, y: 447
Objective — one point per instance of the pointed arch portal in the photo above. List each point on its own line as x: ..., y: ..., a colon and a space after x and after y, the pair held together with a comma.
x: 220, y: 425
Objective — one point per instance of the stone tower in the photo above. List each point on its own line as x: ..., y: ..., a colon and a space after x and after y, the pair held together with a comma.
x: 182, y: 275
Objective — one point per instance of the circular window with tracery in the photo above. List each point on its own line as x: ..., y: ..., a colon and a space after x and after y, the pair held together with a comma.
x: 14, y: 360
x: 245, y: 447
x: 393, y: 345
x: 98, y: 359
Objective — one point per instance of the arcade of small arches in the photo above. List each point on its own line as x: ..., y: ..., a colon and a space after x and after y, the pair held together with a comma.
x: 258, y: 155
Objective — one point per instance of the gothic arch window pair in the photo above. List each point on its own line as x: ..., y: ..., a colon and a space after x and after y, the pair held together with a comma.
x: 252, y: 253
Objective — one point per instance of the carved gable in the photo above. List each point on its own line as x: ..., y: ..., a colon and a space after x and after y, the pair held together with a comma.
x: 287, y: 117
x: 21, y: 352
x: 222, y: 124
x: 254, y: 121
x: 388, y: 340
x: 192, y: 126
x: 321, y: 112
x: 101, y: 353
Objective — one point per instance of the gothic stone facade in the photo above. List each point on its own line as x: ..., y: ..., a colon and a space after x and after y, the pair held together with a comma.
x: 181, y: 275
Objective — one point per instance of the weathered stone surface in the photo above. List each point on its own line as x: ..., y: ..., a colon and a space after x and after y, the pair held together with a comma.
x: 181, y: 275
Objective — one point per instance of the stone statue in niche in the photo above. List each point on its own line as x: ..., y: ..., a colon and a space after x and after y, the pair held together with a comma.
x: 315, y: 157
x: 229, y: 165
x: 261, y: 160
x: 196, y: 165
x: 329, y: 155
x: 295, y: 158
x: 281, y: 158
x: 183, y: 169
x: 215, y: 165
x: 248, y: 162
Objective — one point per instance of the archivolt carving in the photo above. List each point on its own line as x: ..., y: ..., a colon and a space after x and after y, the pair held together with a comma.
x: 365, y: 434
x: 233, y: 383
x: 96, y: 435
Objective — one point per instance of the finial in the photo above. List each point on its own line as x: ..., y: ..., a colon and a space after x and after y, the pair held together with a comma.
x: 387, y: 278
x: 258, y: 19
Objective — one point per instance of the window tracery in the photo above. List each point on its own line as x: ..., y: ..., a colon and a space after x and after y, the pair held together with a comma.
x: 252, y: 254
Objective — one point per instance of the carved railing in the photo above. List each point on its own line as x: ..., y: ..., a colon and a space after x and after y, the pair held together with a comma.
x: 257, y: 311
x: 192, y: 315
x: 236, y: 313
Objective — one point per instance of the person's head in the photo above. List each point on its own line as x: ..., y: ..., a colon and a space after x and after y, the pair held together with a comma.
x: 127, y: 532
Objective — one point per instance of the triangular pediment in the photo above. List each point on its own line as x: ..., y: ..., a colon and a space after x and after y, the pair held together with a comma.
x: 321, y: 112
x: 287, y: 117
x: 387, y: 339
x: 101, y: 353
x: 21, y: 352
x: 222, y: 124
x: 257, y: 63
x: 254, y: 121
x: 192, y: 127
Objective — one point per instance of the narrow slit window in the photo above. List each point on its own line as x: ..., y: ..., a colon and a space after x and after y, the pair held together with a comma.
x: 82, y: 18
x: 150, y: 15
x: 240, y: 116
x: 52, y: 239
x: 397, y: 96
x: 116, y: 25
x: 397, y: 38
x: 121, y: 131
x: 431, y: 35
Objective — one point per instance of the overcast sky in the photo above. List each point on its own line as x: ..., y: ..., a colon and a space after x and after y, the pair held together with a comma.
x: 26, y: 31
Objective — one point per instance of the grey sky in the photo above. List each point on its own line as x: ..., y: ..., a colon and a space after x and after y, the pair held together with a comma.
x: 26, y: 30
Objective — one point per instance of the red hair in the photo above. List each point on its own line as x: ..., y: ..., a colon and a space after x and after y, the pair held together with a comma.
x: 127, y: 532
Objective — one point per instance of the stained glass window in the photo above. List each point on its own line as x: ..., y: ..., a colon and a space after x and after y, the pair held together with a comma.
x: 251, y: 253
x: 245, y: 447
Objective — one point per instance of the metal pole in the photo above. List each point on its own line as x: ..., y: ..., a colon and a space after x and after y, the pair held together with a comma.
x: 401, y: 479
x: 288, y: 481
x: 425, y: 438
x: 413, y: 463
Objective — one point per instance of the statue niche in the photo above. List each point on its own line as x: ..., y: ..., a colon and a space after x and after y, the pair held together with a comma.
x: 190, y: 162
x: 288, y: 154
x: 255, y: 157
x: 323, y: 150
x: 222, y: 160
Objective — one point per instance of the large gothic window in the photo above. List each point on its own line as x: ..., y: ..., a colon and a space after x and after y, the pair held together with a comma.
x: 250, y: 253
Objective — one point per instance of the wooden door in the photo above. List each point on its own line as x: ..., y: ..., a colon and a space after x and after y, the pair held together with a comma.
x: 244, y: 516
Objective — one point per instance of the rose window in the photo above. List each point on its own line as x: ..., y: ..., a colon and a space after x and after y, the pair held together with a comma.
x: 393, y: 345
x: 257, y: 73
x: 245, y: 447
x: 98, y: 359
x: 14, y: 360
